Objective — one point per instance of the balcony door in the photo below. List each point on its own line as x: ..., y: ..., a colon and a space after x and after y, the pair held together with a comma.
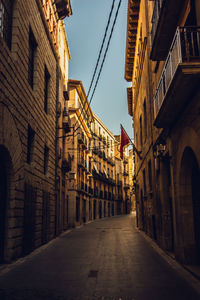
x: 190, y: 17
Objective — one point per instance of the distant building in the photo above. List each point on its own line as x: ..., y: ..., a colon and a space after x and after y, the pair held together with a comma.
x: 163, y: 64
x: 78, y: 147
x: 103, y: 170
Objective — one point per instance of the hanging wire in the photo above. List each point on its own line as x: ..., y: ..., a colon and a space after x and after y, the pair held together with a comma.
x: 105, y: 53
x: 97, y: 80
x: 109, y: 18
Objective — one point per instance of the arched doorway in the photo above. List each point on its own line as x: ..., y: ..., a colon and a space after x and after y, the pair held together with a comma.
x: 5, y: 172
x: 189, y: 207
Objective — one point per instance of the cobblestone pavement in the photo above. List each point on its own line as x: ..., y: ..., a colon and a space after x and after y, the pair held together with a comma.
x: 107, y: 260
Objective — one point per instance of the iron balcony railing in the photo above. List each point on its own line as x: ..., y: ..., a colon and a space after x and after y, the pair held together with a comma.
x: 185, y: 48
x: 155, y: 18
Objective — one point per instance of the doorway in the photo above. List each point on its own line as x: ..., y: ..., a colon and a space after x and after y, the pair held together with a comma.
x: 5, y: 171
x: 189, y: 207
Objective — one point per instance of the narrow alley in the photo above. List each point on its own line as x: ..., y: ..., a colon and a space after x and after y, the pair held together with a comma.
x: 105, y: 259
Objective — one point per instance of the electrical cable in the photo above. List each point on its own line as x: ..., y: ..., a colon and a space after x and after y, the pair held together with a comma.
x: 97, y: 63
x: 102, y: 45
x: 105, y: 53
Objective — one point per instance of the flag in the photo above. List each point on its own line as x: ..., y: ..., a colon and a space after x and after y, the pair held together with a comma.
x: 124, y: 140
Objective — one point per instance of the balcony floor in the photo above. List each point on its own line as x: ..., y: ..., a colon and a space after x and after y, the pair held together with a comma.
x: 184, y: 83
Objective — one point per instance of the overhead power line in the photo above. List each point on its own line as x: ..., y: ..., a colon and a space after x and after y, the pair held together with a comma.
x: 102, y: 45
x: 104, y: 57
x: 97, y: 63
x: 106, y: 51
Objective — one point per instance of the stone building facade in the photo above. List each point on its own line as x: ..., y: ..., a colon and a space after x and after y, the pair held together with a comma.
x: 78, y: 143
x: 97, y: 182
x: 63, y: 127
x: 28, y: 91
x: 163, y: 64
x: 105, y: 201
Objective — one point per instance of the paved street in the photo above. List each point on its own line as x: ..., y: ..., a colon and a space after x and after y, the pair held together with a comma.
x: 106, y: 259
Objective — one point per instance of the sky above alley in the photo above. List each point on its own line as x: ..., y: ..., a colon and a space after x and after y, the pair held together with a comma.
x: 85, y: 30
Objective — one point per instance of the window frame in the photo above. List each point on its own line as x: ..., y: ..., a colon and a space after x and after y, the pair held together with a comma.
x: 31, y: 57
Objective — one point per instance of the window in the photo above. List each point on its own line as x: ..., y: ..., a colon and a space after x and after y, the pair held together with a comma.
x: 46, y: 159
x: 144, y: 182
x: 30, y: 144
x: 145, y: 119
x: 141, y: 137
x: 46, y: 89
x: 6, y: 8
x: 31, y: 62
x: 150, y: 175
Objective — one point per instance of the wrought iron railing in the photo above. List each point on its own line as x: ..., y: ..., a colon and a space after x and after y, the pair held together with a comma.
x: 185, y: 48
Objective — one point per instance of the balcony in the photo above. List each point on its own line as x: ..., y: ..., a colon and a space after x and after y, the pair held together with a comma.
x: 81, y: 162
x: 164, y: 23
x: 85, y: 143
x: 66, y: 164
x: 80, y: 138
x: 125, y: 160
x: 100, y: 153
x: 95, y: 150
x: 101, y: 194
x: 91, y: 191
x: 119, y: 182
x: 125, y: 173
x: 179, y: 78
x: 104, y: 155
x: 126, y: 186
x: 63, y: 8
x: 96, y: 193
x: 80, y: 186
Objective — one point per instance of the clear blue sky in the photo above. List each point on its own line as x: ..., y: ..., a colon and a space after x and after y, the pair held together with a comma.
x: 85, y: 30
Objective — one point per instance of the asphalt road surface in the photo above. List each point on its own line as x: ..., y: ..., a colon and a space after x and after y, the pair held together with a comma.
x: 108, y: 259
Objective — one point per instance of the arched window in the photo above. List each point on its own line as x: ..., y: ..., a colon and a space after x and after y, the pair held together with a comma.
x: 6, y: 9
